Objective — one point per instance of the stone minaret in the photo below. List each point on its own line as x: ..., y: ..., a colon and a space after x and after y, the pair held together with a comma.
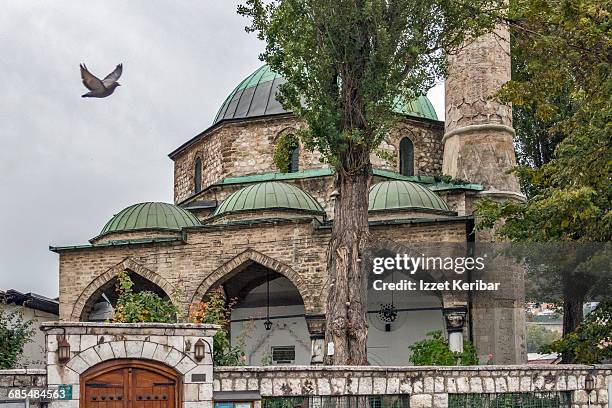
x: 478, y: 132
x: 478, y: 147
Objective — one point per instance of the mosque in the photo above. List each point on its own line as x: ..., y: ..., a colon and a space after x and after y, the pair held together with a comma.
x: 258, y: 228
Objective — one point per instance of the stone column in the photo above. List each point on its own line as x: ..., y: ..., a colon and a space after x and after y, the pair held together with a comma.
x: 478, y: 139
x: 455, y: 321
x: 316, y: 328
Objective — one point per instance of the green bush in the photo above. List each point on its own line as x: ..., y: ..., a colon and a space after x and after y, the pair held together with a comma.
x: 214, y: 310
x: 143, y: 306
x: 15, y: 332
x: 591, y: 342
x: 436, y: 351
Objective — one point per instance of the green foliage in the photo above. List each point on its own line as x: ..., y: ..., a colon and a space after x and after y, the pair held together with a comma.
x: 562, y: 100
x: 436, y: 351
x: 538, y: 337
x: 591, y: 342
x: 346, y: 62
x: 561, y: 91
x: 285, y: 145
x: 142, y: 306
x: 15, y: 332
x: 215, y: 310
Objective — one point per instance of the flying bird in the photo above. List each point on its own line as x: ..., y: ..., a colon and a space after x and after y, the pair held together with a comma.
x: 100, y: 88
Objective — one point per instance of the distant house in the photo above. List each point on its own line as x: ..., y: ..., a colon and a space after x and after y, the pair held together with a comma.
x: 39, y: 309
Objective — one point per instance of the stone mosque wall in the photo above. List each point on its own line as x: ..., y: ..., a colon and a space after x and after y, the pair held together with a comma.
x: 185, y: 268
x: 245, y: 148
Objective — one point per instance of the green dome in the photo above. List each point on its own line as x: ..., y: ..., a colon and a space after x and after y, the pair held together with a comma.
x: 150, y: 216
x: 256, y: 96
x: 405, y: 195
x: 269, y: 195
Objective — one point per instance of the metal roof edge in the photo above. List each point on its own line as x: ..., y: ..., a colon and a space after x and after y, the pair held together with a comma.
x: 161, y: 240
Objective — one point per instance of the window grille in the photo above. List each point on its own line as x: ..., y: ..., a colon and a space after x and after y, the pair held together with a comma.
x: 341, y: 401
x: 283, y: 354
x: 511, y: 400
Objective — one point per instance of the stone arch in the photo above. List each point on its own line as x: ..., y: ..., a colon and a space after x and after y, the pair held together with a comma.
x: 129, y: 265
x: 235, y: 264
x: 131, y: 349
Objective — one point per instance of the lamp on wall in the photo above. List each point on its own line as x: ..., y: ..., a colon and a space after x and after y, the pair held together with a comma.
x: 63, y: 349
x: 589, y: 383
x: 199, y: 350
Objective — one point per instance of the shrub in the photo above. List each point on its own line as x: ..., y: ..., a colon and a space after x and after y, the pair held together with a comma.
x: 214, y: 310
x: 591, y: 342
x: 436, y: 351
x: 143, y: 306
x: 15, y: 332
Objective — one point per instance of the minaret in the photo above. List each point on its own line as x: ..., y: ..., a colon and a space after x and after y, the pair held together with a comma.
x: 478, y: 145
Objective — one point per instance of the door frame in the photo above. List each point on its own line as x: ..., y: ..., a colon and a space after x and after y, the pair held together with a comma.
x: 115, y: 364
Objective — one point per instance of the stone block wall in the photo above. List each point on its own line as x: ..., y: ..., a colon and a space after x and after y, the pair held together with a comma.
x: 184, y: 269
x: 22, y: 380
x: 247, y: 147
x: 94, y: 343
x: 427, y: 386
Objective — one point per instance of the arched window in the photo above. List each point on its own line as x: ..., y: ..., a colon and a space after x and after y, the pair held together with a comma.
x: 294, y: 161
x: 406, y: 157
x: 197, y: 175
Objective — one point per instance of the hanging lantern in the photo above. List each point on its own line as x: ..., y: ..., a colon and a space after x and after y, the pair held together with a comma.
x: 63, y: 350
x: 268, y: 323
x: 199, y: 350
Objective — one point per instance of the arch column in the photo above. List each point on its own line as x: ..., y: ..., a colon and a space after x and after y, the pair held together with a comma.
x: 316, y: 329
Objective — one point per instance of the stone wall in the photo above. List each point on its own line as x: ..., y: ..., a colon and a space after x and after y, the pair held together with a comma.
x: 296, y: 249
x: 22, y: 380
x: 246, y: 147
x: 427, y: 386
x: 169, y: 344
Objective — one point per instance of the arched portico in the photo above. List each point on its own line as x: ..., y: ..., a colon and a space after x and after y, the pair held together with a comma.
x: 249, y: 257
x: 84, y: 302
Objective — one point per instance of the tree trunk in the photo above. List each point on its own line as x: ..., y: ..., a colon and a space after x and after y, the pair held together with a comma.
x: 346, y: 325
x: 572, y: 316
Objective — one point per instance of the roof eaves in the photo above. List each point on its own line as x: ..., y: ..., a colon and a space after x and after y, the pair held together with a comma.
x: 123, y: 242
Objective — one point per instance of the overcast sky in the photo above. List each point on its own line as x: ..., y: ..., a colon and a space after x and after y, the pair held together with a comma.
x: 67, y: 164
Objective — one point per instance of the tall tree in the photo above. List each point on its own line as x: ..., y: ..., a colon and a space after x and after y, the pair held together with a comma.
x: 565, y: 84
x: 346, y: 63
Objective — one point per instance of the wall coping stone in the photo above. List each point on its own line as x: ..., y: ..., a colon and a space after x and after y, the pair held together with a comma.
x: 518, y: 367
x: 24, y: 371
x: 161, y: 329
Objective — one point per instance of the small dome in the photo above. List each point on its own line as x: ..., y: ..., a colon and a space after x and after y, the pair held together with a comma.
x: 404, y: 195
x: 256, y: 96
x: 150, y: 216
x: 269, y: 195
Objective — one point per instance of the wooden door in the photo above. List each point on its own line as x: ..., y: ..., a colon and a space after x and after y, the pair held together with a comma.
x: 130, y: 384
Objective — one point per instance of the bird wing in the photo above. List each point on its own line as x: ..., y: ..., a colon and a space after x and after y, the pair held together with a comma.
x: 113, y: 76
x: 90, y: 81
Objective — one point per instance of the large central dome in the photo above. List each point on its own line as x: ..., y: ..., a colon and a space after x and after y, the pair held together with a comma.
x: 256, y: 96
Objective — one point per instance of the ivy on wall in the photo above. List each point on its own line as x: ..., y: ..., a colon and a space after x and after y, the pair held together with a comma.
x: 285, y: 145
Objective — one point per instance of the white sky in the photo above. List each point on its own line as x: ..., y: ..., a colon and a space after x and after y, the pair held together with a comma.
x: 67, y: 164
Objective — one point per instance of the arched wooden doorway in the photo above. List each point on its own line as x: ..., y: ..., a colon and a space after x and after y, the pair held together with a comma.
x: 130, y: 384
